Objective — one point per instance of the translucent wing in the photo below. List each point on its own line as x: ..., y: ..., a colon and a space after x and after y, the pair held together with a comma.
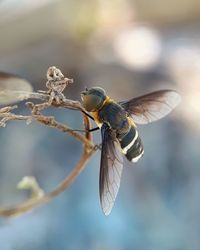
x: 151, y: 107
x: 110, y: 169
x: 13, y: 88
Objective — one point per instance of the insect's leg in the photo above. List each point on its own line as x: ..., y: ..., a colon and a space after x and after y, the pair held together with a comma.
x: 93, y: 129
x: 90, y: 130
x: 87, y: 115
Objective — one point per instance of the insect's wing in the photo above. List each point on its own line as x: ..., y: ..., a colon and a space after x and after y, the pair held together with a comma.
x: 110, y: 169
x: 13, y: 88
x: 151, y: 107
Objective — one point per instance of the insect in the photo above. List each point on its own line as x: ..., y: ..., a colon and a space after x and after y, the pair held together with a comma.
x: 117, y: 122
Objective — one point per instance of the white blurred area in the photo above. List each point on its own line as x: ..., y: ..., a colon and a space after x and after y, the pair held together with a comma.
x: 138, y: 47
x: 184, y: 64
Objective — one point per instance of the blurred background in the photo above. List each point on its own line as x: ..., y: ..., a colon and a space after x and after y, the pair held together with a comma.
x: 128, y: 47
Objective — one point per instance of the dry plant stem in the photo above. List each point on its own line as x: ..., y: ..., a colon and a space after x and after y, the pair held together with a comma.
x: 65, y: 103
x: 48, y: 121
x: 51, y: 122
x: 88, y: 147
x: 6, y: 116
x: 36, y: 109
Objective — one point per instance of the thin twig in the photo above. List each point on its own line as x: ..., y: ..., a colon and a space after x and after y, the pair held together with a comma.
x: 32, y: 203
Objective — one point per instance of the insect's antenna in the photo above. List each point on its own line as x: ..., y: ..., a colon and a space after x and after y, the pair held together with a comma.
x: 88, y: 115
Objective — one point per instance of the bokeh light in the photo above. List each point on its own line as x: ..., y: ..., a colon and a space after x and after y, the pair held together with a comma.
x: 138, y: 47
x: 184, y: 64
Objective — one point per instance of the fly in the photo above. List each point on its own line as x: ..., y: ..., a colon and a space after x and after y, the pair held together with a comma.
x: 117, y: 122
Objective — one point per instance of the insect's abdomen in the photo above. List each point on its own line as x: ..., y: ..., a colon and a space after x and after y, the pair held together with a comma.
x: 131, y: 145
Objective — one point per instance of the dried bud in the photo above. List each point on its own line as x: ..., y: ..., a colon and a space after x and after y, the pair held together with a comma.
x: 54, y: 74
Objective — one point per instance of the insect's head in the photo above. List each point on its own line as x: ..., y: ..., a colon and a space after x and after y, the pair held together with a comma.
x: 93, y: 98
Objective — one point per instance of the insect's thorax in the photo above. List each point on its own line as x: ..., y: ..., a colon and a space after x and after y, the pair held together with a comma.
x: 126, y: 132
x: 112, y: 114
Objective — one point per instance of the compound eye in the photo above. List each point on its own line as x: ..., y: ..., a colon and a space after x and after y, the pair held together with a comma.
x: 90, y: 102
